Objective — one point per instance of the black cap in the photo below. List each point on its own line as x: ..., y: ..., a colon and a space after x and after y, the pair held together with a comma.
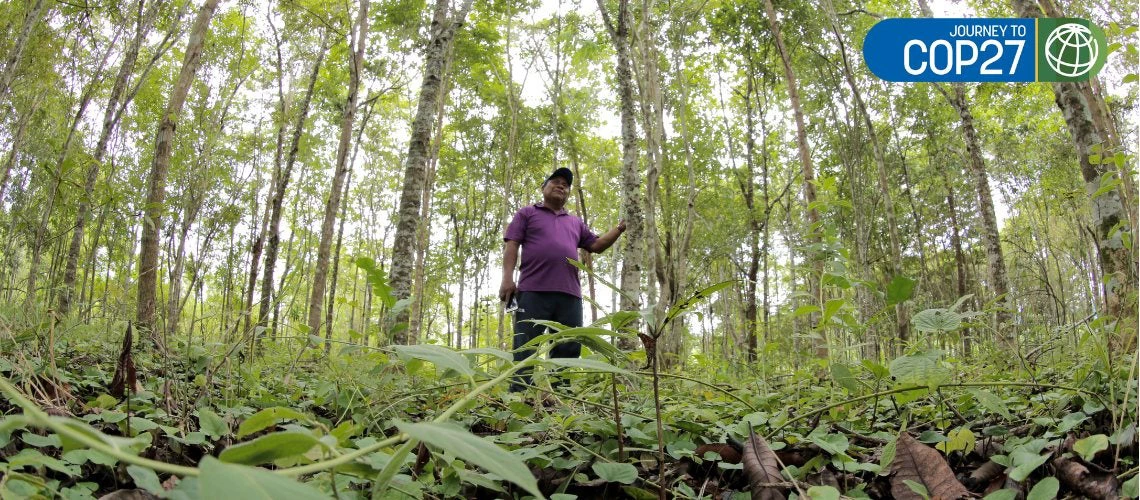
x: 564, y: 173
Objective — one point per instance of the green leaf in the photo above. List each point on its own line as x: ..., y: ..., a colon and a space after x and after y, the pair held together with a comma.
x: 1004, y: 494
x: 991, y: 402
x: 688, y: 304
x: 805, y: 310
x: 586, y: 363
x: 222, y: 480
x: 1024, y: 463
x: 145, y: 479
x: 475, y: 450
x: 936, y: 321
x: 823, y: 493
x: 1088, y: 447
x: 833, y: 444
x: 265, y: 418
x: 842, y: 375
x: 498, y: 353
x: 1045, y: 489
x: 919, y: 370
x: 960, y: 439
x: 442, y: 357
x: 899, y: 290
x: 615, y: 472
x: 1129, y: 78
x: 918, y: 488
x: 269, y: 447
x: 211, y: 424
x: 1131, y: 487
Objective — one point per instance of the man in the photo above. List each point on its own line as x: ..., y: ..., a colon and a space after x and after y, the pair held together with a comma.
x: 548, y: 286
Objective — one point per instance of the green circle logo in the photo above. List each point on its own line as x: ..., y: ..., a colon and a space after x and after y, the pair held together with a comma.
x: 1071, y: 50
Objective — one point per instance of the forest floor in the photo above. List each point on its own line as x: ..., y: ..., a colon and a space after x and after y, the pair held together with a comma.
x: 432, y: 422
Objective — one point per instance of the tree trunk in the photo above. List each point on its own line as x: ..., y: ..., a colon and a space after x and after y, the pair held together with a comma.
x: 443, y: 28
x: 320, y: 275
x: 821, y: 348
x: 111, y: 117
x: 156, y: 191
x: 336, y: 267
x: 748, y: 191
x: 633, y: 249
x: 281, y: 177
x: 31, y: 19
x: 1110, y: 217
x: 902, y: 315
x: 57, y: 178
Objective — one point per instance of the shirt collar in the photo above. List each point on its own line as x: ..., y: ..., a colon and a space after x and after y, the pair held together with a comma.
x: 541, y: 206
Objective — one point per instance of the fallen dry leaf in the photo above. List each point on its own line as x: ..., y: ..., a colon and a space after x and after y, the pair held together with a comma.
x: 924, y: 465
x: 762, y: 468
x: 1078, y: 478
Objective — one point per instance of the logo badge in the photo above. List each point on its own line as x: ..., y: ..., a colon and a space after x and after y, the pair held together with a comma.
x: 985, y: 50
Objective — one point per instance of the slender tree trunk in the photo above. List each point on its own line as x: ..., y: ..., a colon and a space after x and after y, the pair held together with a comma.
x: 336, y: 267
x: 281, y: 177
x: 821, y: 348
x: 443, y: 28
x: 1110, y: 217
x: 633, y: 249
x: 111, y: 116
x: 748, y: 191
x: 31, y: 19
x: 156, y: 192
x: 57, y: 178
x: 902, y: 314
x: 17, y: 144
x: 320, y: 275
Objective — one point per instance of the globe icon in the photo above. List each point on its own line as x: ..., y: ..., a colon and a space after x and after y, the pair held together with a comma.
x: 1071, y: 50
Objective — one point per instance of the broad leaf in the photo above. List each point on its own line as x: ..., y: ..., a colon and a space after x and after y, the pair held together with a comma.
x: 211, y: 424
x: 145, y: 478
x: 615, y: 472
x: 823, y: 493
x: 919, y: 370
x: 922, y: 465
x: 900, y: 289
x: 1088, y: 447
x: 587, y: 364
x: 443, y: 357
x: 842, y: 376
x: 498, y: 353
x: 694, y: 299
x: 265, y: 418
x: 1045, y: 489
x: 762, y: 468
x: 937, y: 321
x: 269, y: 447
x: 222, y: 480
x: 475, y: 450
x: 991, y: 402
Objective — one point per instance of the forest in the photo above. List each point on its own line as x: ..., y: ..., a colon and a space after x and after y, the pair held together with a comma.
x: 252, y: 249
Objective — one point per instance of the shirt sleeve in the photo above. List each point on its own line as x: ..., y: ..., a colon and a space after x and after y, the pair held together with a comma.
x: 516, y: 230
x: 585, y: 236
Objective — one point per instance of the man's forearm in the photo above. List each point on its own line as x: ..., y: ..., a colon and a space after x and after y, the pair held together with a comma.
x: 606, y: 240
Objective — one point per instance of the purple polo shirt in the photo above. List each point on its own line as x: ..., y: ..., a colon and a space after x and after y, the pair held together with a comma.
x: 547, y: 240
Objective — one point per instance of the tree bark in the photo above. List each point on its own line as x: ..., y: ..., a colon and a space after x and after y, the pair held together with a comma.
x: 156, y: 191
x: 281, y: 178
x: 111, y: 116
x: 31, y: 19
x: 1109, y: 215
x: 443, y: 28
x: 633, y: 248
x: 821, y: 348
x: 57, y: 178
x: 320, y: 275
x: 902, y: 314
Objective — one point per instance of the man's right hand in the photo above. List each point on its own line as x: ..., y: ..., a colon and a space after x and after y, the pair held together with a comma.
x: 506, y: 290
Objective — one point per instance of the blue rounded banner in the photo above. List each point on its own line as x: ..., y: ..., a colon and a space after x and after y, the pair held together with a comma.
x: 952, y: 50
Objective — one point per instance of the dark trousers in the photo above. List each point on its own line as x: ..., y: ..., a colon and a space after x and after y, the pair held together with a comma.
x: 554, y: 306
